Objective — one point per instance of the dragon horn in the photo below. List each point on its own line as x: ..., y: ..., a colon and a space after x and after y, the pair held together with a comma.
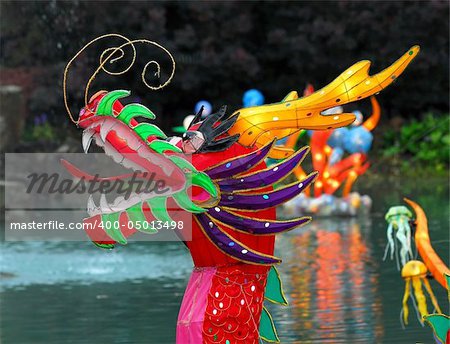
x: 306, y: 113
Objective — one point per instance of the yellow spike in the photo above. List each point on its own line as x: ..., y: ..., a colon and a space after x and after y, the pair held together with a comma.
x: 291, y: 96
x: 280, y: 152
x: 405, y: 301
x: 266, y: 137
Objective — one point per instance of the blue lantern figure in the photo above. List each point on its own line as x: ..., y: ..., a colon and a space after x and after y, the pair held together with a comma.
x: 359, y: 118
x: 252, y: 97
x: 336, y: 155
x: 358, y: 140
x: 336, y: 139
x: 207, y: 107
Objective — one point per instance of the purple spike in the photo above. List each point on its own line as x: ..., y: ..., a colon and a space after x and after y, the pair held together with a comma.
x: 264, y: 177
x: 240, y: 164
x: 232, y: 247
x: 264, y: 200
x: 253, y: 226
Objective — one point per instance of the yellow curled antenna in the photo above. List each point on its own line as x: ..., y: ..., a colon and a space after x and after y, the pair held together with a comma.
x: 112, y: 55
x: 259, y: 125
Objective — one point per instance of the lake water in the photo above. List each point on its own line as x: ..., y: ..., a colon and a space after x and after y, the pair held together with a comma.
x: 338, y: 287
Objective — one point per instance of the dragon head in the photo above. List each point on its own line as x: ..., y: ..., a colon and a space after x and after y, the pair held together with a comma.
x: 126, y: 136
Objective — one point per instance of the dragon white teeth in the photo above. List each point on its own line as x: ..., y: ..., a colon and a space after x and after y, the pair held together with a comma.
x: 92, y: 209
x: 87, y: 139
x: 105, y: 128
x: 98, y: 140
x: 119, y: 204
x: 111, y: 152
x: 93, y: 126
x: 130, y: 164
x: 104, y: 206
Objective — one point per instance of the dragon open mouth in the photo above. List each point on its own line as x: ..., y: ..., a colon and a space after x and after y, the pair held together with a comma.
x: 145, y: 187
x: 120, y: 143
x: 163, y: 174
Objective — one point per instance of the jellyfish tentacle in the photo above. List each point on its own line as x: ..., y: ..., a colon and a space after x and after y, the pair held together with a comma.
x: 401, y: 319
x: 420, y: 296
x: 432, y: 296
x: 399, y: 234
x: 390, y: 239
x: 401, y: 237
x: 397, y: 260
x: 405, y: 301
x: 407, y: 229
x: 404, y: 236
x: 419, y: 318
x: 386, y: 251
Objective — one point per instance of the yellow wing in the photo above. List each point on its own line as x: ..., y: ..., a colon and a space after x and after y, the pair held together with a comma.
x: 259, y: 125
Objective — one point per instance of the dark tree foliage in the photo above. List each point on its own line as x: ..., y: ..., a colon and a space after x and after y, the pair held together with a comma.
x: 224, y: 48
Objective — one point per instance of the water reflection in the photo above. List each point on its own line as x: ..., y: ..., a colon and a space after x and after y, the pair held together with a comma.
x: 333, y: 290
x: 338, y: 287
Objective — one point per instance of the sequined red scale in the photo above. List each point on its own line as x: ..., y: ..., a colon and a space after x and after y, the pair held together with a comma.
x: 234, y: 305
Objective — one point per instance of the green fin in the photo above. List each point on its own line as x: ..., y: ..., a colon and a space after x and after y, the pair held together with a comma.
x: 135, y: 215
x: 267, y: 330
x: 204, y: 181
x: 104, y: 246
x: 135, y: 110
x: 144, y: 130
x: 186, y: 203
x: 440, y: 323
x: 161, y: 146
x: 109, y: 226
x: 180, y: 129
x: 105, y: 107
x: 197, y: 178
x: 158, y: 207
x: 274, y: 288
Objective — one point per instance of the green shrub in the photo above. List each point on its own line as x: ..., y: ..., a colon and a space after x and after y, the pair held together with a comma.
x: 426, y: 142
